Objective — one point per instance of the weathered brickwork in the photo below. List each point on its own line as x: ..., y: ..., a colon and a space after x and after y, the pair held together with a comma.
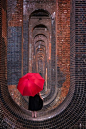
x: 51, y: 41
x: 4, y: 36
x: 80, y: 49
x: 63, y: 43
x: 14, y: 47
x: 23, y: 29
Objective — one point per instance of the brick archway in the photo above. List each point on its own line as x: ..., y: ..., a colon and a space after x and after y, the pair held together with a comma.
x: 73, y: 107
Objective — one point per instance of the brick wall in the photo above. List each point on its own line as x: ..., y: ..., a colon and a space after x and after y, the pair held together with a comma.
x: 63, y: 44
x: 70, y: 113
x: 14, y: 46
x: 79, y: 54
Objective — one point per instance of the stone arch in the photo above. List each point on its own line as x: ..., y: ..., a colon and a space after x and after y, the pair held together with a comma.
x: 40, y: 26
x: 40, y: 12
x: 68, y: 113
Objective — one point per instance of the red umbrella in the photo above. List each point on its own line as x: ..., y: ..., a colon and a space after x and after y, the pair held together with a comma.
x: 30, y: 84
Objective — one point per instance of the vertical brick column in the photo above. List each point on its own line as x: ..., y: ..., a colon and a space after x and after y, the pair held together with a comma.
x: 53, y: 60
x: 25, y: 46
x: 53, y: 55
x: 14, y: 46
x: 80, y: 44
x: 72, y: 46
x: 0, y: 38
x: 80, y: 39
x: 80, y: 49
x: 78, y: 54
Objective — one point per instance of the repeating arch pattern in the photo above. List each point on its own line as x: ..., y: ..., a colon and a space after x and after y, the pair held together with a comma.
x: 62, y: 117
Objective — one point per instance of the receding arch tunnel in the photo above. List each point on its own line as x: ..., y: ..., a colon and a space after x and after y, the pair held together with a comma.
x: 36, y: 41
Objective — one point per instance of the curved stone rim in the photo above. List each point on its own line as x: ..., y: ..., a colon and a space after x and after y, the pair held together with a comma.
x: 65, y: 114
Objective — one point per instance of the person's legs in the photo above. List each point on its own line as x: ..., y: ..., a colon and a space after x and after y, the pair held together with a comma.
x: 35, y: 114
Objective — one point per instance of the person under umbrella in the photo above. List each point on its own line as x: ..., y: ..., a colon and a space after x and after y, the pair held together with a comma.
x: 35, y: 104
x: 30, y: 85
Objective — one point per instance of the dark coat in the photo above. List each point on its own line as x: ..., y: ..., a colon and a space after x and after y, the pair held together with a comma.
x: 35, y: 103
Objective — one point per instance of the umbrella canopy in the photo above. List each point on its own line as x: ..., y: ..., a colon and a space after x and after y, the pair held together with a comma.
x: 30, y: 84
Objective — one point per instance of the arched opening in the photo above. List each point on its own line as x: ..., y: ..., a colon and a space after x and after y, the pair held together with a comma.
x: 69, y: 110
x: 40, y: 26
x: 39, y: 43
x: 40, y: 13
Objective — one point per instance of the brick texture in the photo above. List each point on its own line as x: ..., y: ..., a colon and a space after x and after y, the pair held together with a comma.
x: 46, y: 37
